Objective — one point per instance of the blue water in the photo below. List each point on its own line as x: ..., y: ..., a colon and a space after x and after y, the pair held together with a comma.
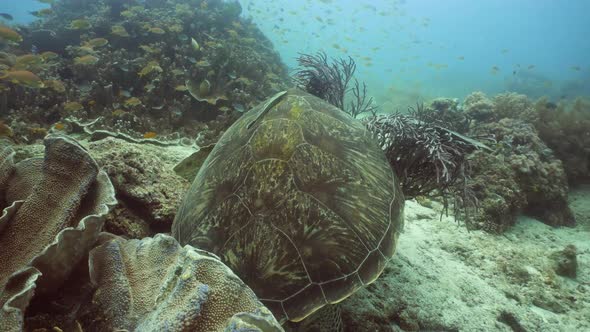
x: 420, y: 49
x: 428, y: 48
x: 20, y: 9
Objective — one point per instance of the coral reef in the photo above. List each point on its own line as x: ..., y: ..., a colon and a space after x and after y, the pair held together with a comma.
x: 565, y: 261
x: 535, y: 183
x: 499, y: 197
x: 480, y: 108
x: 564, y: 128
x: 130, y: 63
x: 523, y: 174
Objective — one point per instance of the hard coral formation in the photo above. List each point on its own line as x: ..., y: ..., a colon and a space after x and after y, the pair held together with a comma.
x: 47, y: 226
x: 171, y: 288
x: 523, y: 174
x: 564, y: 127
x: 522, y: 168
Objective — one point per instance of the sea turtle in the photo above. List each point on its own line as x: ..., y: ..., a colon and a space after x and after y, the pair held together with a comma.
x: 299, y: 200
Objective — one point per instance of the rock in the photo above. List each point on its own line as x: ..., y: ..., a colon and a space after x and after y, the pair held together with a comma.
x: 511, y: 320
x: 565, y: 262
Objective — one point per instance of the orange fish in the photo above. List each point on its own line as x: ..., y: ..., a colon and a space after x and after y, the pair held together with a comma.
x: 150, y: 134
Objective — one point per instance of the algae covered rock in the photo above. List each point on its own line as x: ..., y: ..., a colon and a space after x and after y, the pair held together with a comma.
x: 54, y: 211
x: 565, y: 261
x: 154, y: 284
x: 144, y: 181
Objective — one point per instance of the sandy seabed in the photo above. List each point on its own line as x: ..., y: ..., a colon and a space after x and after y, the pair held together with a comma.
x: 445, y: 278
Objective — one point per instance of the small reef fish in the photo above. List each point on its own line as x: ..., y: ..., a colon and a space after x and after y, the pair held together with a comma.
x: 531, y: 67
x: 150, y: 134
x: 73, y: 106
x: 50, y: 2
x: 132, y: 102
x: 24, y: 78
x: 151, y: 67
x: 6, y: 16
x: 28, y: 60
x: 79, y: 24
x: 86, y: 60
x: 7, y: 33
x: 576, y: 68
x: 56, y: 85
x: 42, y: 13
x: 119, y: 30
x: 195, y: 45
x: 96, y: 42
x: 157, y: 31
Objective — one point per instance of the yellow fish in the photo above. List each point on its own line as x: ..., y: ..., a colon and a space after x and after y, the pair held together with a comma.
x: 10, y: 35
x: 97, y: 42
x: 119, y: 30
x: 56, y: 85
x: 157, y: 31
x: 150, y: 134
x: 24, y: 78
x: 73, y: 106
x: 79, y: 24
x: 195, y: 45
x: 132, y: 102
x: 48, y: 56
x: 86, y: 60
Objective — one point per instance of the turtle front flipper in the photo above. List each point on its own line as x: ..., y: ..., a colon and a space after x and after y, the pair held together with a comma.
x: 327, y: 319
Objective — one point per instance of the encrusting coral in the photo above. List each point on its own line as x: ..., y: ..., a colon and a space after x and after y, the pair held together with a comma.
x: 51, y: 225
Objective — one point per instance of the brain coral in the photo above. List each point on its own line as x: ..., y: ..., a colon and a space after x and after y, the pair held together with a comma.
x: 48, y: 225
